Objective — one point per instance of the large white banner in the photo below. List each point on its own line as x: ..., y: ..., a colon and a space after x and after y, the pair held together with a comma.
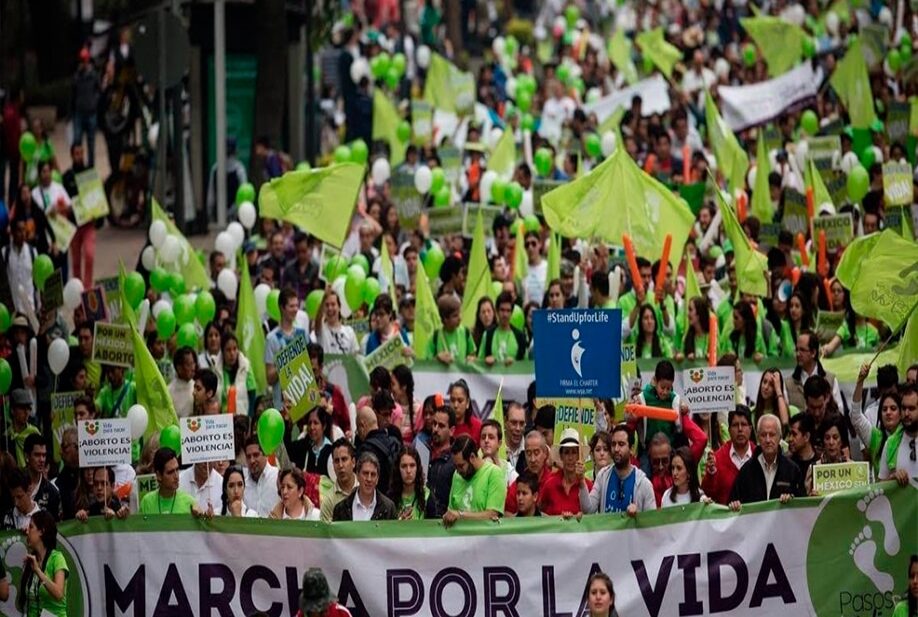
x: 745, y: 106
x: 843, y: 555
x: 654, y: 93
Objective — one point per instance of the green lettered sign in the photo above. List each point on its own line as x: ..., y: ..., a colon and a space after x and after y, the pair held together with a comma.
x: 898, y: 114
x: 488, y: 214
x: 388, y: 355
x: 91, y: 203
x: 839, y: 230
x: 898, y: 189
x: 294, y: 371
x: 831, y: 478
x: 421, y: 122
x: 408, y: 202
x: 112, y: 344
x: 794, y: 219
x: 62, y: 415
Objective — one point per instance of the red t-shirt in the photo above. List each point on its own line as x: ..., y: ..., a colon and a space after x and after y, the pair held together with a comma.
x: 334, y: 610
x: 510, y: 503
x: 472, y: 429
x: 554, y: 501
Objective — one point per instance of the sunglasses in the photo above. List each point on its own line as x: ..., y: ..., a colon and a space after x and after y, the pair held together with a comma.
x: 532, y: 244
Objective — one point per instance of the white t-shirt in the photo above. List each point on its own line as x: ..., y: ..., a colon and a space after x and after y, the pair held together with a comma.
x: 313, y: 515
x: 534, y: 283
x: 904, y: 459
x: 339, y: 339
x: 211, y: 492
x: 261, y: 496
x: 47, y: 198
x: 681, y: 498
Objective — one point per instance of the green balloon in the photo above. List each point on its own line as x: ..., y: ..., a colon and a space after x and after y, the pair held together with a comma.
x: 511, y: 45
x: 165, y: 324
x: 4, y: 318
x: 749, y: 54
x: 809, y: 121
x: 809, y: 47
x: 313, y: 302
x: 187, y: 336
x: 159, y: 280
x: 433, y: 260
x: 527, y: 122
x: 378, y: 67
x: 245, y: 192
x: 272, y: 304
x: 526, y: 83
x: 567, y: 39
x: 542, y: 160
x: 335, y: 267
x: 498, y: 191
x: 176, y: 283
x: 392, y: 77
x: 342, y: 154
x: 905, y: 40
x: 531, y: 222
x: 270, y: 430
x: 868, y: 157
x: 514, y: 193
x: 647, y: 63
x: 905, y: 53
x: 370, y: 290
x: 42, y: 268
x: 171, y: 437
x: 403, y: 132
x: 359, y: 151
x: 205, y: 307
x: 564, y: 73
x: 303, y: 166
x: 353, y: 286
x: 399, y: 63
x: 518, y: 319
x: 894, y: 59
x: 27, y: 145
x: 858, y: 183
x: 442, y: 197
x: 593, y: 145
x: 6, y: 376
x: 360, y: 260
x: 437, y: 179
x: 184, y: 309
x: 523, y: 100
x: 134, y: 289
x: 571, y: 15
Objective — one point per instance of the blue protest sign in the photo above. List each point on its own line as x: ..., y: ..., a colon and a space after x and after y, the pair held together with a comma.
x: 578, y: 352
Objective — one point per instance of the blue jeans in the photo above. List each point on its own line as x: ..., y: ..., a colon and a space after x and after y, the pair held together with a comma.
x: 85, y: 123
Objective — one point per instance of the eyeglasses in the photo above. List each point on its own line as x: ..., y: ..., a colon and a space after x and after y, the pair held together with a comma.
x: 531, y: 244
x: 660, y: 462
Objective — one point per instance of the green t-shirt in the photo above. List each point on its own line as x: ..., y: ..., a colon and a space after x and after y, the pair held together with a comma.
x: 153, y: 503
x: 39, y: 599
x: 486, y: 490
x: 108, y: 398
x: 503, y: 346
x: 19, y: 440
x: 865, y: 334
x: 459, y: 343
x: 409, y: 502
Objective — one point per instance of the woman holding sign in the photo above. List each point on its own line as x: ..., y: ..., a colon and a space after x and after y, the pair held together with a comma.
x: 834, y: 448
x: 44, y: 576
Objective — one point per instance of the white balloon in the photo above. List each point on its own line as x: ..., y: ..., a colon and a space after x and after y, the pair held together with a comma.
x: 498, y: 46
x: 247, y: 214
x: 170, y: 249
x: 58, y: 355
x: 885, y: 17
x: 235, y: 230
x: 380, y: 171
x: 227, y: 283
x: 722, y: 68
x: 608, y: 143
x: 877, y: 154
x: 751, y: 176
x: 138, y: 419
x: 487, y: 179
x: 539, y: 32
x: 832, y: 23
x: 423, y: 178
x: 849, y: 162
x: 338, y: 286
x: 511, y: 87
x: 148, y: 258
x: 423, y: 56
x: 360, y: 68
x: 261, y: 298
x: 495, y: 136
x: 158, y: 233
x: 73, y: 294
x: 526, y: 208
x: 158, y: 307
x: 225, y: 243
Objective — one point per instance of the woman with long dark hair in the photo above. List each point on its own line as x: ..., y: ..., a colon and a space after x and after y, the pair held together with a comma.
x: 233, y: 493
x: 746, y: 339
x: 44, y: 574
x: 799, y: 318
x: 311, y: 453
x: 646, y: 337
x: 485, y: 318
x: 888, y: 418
x: 403, y: 393
x: 554, y: 295
x: 854, y: 333
x: 461, y: 402
x: 409, y: 491
x: 294, y: 504
x: 236, y: 371
x: 771, y: 397
x: 834, y: 440
x: 695, y: 341
x: 686, y: 488
x: 210, y: 358
x: 601, y: 595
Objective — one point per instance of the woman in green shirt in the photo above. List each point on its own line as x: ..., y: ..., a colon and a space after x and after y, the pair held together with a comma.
x: 503, y: 344
x: 648, y: 343
x: 746, y: 339
x: 44, y: 579
x: 695, y: 341
x: 409, y: 491
x: 798, y: 319
x: 854, y: 333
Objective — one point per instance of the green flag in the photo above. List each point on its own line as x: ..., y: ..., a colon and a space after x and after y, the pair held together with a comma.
x: 881, y: 273
x: 852, y: 84
x: 781, y: 42
x: 731, y: 158
x: 127, y: 311
x: 663, y: 55
x: 520, y: 260
x: 249, y: 332
x: 188, y: 265
x: 761, y: 206
x: 447, y: 88
x: 478, y: 279
x: 385, y: 126
x: 692, y: 290
x: 320, y: 201
x: 812, y: 178
x: 426, y: 315
x: 503, y: 157
x: 554, y: 258
x: 908, y: 346
x: 385, y: 263
x: 151, y: 389
x: 617, y: 198
x: 751, y: 265
x: 620, y: 54
x: 498, y: 414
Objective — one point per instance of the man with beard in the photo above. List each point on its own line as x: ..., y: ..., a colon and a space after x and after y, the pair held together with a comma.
x: 479, y: 487
x: 441, y: 468
x: 620, y: 487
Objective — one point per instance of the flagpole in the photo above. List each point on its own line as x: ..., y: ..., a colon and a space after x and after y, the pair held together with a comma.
x: 885, y: 343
